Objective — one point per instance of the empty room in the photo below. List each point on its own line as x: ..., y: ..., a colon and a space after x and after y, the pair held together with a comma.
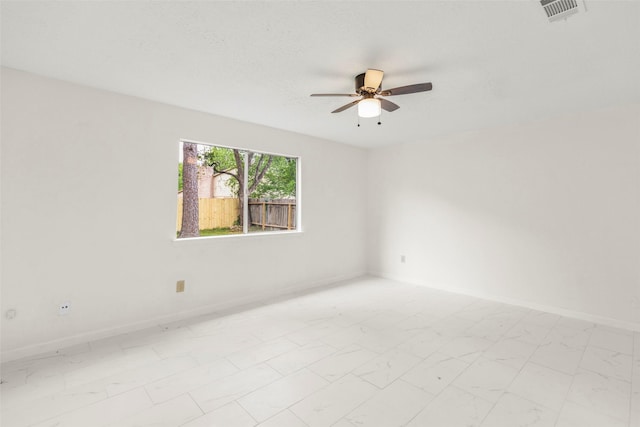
x: 320, y: 213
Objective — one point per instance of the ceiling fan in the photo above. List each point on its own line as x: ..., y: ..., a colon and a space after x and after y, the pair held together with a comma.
x: 369, y: 90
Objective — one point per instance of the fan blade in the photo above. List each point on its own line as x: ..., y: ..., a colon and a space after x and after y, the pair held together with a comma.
x: 334, y: 94
x: 404, y: 90
x: 372, y: 79
x: 388, y: 105
x: 344, y: 107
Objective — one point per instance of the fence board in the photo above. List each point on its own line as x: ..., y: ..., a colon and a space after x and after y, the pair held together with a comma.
x: 223, y: 212
x: 213, y: 213
x: 273, y: 214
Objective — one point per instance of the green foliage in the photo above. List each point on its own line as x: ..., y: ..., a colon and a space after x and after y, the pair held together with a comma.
x: 279, y: 181
x: 216, y: 232
x: 180, y: 181
x: 223, y: 161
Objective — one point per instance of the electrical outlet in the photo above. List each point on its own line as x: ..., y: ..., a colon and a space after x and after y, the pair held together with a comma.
x: 403, y: 259
x: 64, y: 308
x: 10, y: 314
x: 180, y: 286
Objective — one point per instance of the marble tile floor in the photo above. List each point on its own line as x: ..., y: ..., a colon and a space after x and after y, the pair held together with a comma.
x: 370, y: 353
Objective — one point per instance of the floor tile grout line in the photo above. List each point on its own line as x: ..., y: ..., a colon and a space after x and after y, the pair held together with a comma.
x: 634, y: 346
x: 237, y: 402
x: 506, y: 389
x: 288, y: 409
x: 395, y: 346
x: 573, y: 379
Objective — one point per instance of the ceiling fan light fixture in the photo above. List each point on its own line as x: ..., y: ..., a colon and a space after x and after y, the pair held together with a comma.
x: 369, y: 107
x: 372, y: 99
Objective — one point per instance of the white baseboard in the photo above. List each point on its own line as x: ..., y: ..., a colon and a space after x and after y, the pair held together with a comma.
x: 284, y: 293
x: 593, y: 318
x: 234, y: 304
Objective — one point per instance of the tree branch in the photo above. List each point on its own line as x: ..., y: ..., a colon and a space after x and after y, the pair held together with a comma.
x: 260, y: 175
x: 226, y: 173
x: 216, y: 169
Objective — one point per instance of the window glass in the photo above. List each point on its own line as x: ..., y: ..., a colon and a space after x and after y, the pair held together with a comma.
x: 223, y: 191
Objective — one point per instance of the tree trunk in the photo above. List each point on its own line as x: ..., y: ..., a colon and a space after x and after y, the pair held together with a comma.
x: 190, y: 215
x: 259, y: 172
x: 240, y: 177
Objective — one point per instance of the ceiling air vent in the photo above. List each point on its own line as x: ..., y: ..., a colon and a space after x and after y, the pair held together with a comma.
x: 559, y: 9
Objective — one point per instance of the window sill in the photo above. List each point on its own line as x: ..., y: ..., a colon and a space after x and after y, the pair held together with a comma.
x: 242, y: 236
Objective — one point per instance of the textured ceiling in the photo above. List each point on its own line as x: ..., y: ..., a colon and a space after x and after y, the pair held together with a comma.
x: 491, y: 62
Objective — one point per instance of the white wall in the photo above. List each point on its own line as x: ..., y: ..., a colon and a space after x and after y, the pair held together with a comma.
x: 545, y: 214
x: 89, y: 210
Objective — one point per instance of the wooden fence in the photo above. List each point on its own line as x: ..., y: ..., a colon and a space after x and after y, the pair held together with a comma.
x: 273, y: 214
x: 223, y: 212
x: 214, y: 213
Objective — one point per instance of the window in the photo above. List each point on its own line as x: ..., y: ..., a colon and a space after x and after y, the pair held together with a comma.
x: 226, y: 190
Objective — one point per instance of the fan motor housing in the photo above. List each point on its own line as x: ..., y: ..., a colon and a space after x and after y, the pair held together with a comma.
x: 360, y: 90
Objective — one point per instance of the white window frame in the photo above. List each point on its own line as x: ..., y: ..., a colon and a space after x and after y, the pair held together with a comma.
x: 245, y: 202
